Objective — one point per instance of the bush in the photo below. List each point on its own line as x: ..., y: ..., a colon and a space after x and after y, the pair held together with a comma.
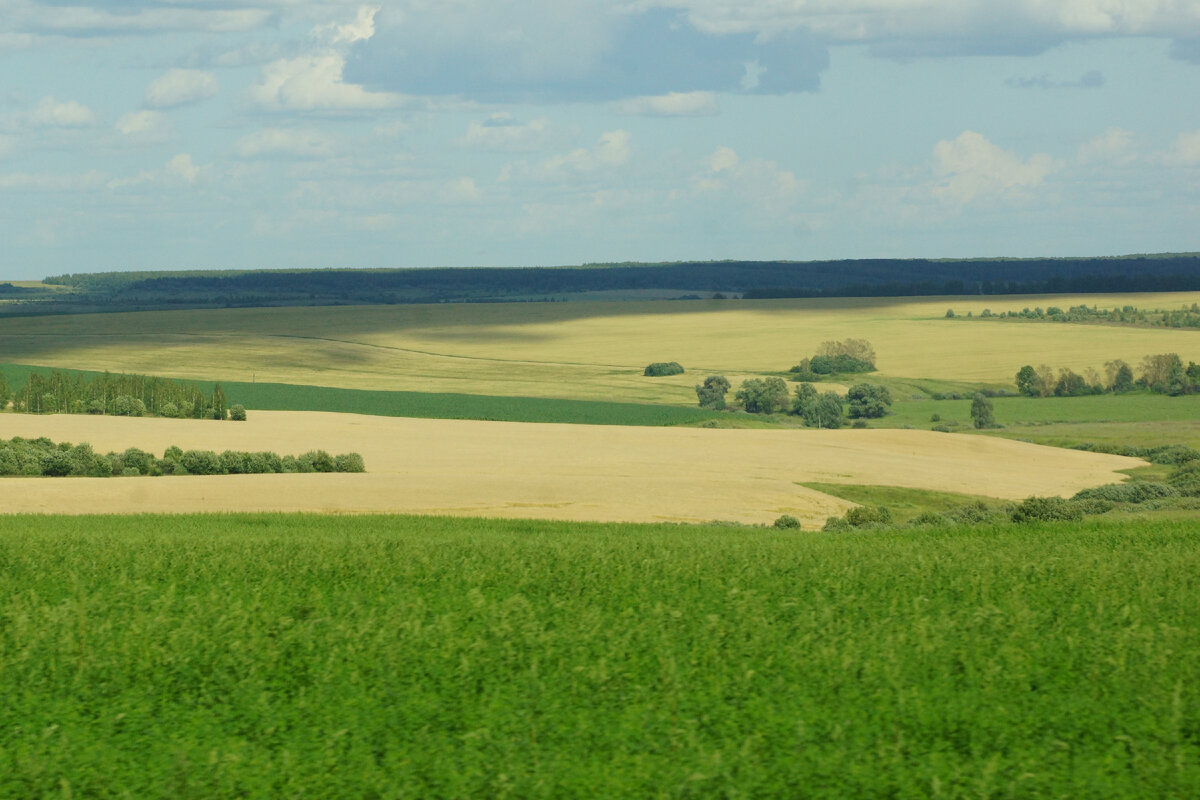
x: 859, y: 423
x: 201, y: 462
x: 763, y: 396
x: 868, y: 401
x: 712, y: 393
x: 860, y: 516
x: 940, y: 428
x: 661, y: 368
x: 168, y: 410
x: 237, y: 412
x: 1035, y: 509
x: 982, y: 412
x: 787, y: 521
x: 1138, y: 492
x: 929, y: 518
x: 977, y: 513
x: 349, y: 462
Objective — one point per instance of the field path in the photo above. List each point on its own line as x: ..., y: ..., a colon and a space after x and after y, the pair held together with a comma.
x: 574, y: 472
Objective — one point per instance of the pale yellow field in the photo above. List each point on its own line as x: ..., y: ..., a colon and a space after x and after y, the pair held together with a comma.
x: 581, y: 350
x: 572, y: 472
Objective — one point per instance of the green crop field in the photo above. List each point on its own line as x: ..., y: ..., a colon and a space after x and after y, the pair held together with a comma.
x: 587, y: 350
x: 306, y: 656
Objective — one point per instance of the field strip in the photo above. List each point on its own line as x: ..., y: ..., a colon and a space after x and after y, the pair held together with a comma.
x: 540, y: 470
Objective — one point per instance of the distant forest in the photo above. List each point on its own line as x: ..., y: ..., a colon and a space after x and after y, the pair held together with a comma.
x: 691, y: 279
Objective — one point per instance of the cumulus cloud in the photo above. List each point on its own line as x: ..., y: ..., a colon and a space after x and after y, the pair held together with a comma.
x: 50, y: 113
x: 612, y: 150
x: 316, y: 81
x: 182, y: 167
x: 1115, y: 145
x: 145, y: 125
x: 970, y: 166
x: 180, y: 87
x: 756, y: 181
x: 672, y: 104
x: 285, y: 143
x: 501, y: 132
x: 1185, y: 151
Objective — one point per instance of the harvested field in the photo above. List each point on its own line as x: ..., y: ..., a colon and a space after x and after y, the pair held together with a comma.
x: 569, y: 472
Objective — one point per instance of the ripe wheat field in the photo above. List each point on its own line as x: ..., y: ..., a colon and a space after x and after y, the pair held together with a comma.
x: 582, y: 350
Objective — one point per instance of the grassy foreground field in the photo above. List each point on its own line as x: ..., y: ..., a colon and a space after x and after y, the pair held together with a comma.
x: 579, y: 350
x: 300, y: 656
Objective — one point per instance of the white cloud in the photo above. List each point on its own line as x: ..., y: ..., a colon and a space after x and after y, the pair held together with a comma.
x: 1185, y: 151
x: 180, y: 87
x: 672, y: 104
x: 49, y: 113
x: 46, y: 182
x: 316, y: 81
x: 462, y: 190
x: 145, y: 125
x: 7, y: 145
x: 612, y: 150
x: 501, y: 132
x: 1112, y: 146
x: 283, y: 142
x: 757, y: 181
x: 182, y: 167
x: 971, y: 166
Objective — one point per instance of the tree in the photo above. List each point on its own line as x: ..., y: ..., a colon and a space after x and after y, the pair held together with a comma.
x: 763, y: 396
x: 712, y: 393
x: 1120, y: 376
x: 1045, y: 380
x: 1070, y: 384
x: 806, y: 395
x: 1157, y: 370
x: 982, y: 412
x: 1027, y: 380
x: 824, y: 411
x: 868, y: 401
x: 5, y: 393
x: 237, y: 412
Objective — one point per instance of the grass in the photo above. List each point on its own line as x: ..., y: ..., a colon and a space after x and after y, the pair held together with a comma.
x: 904, y: 503
x: 302, y: 656
x: 587, y: 350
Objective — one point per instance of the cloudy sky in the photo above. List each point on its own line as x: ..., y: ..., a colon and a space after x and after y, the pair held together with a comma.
x: 141, y: 134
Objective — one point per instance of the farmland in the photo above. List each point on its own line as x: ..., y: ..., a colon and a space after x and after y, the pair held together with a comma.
x: 207, y: 656
x: 577, y: 350
x: 573, y: 472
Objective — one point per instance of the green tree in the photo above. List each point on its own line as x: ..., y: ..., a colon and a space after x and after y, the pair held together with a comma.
x: 983, y: 414
x: 712, y: 393
x: 1027, y: 380
x: 824, y: 411
x: 763, y: 396
x: 237, y: 412
x: 868, y: 401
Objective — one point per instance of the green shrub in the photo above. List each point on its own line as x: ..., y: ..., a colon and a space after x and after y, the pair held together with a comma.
x: 860, y: 516
x: 237, y: 412
x: 837, y: 524
x: 1095, y: 506
x: 201, y: 462
x: 1034, y: 509
x: 349, y: 462
x: 661, y: 368
x: 1137, y: 492
x: 977, y: 513
x: 787, y: 521
x: 929, y: 518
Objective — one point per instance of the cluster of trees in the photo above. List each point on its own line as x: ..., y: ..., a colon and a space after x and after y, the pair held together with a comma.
x: 117, y: 395
x: 661, y: 368
x: 847, y: 357
x: 1163, y: 373
x: 33, y: 457
x: 1125, y: 315
x: 818, y: 410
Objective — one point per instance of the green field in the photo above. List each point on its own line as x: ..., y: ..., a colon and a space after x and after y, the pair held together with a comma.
x: 305, y: 656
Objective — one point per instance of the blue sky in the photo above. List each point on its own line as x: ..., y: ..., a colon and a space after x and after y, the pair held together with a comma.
x: 160, y: 134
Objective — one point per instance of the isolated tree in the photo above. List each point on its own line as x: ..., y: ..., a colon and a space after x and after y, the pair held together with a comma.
x: 763, y: 395
x: 712, y: 393
x: 982, y: 412
x: 1027, y: 380
x: 237, y: 412
x: 868, y: 401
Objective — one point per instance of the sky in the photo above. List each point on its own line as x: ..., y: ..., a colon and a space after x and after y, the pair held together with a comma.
x: 171, y: 134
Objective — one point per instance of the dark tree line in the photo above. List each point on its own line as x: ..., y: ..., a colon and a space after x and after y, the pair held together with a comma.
x: 1163, y: 373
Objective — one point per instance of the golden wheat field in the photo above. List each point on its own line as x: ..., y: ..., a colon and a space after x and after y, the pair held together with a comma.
x: 581, y: 350
x: 572, y: 472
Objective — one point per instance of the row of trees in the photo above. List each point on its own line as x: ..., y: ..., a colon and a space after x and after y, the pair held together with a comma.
x: 1188, y: 317
x: 1163, y: 373
x: 818, y: 410
x: 34, y: 457
x: 117, y: 395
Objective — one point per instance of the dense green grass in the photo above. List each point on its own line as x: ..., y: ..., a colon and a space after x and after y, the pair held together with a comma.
x: 303, y: 656
x: 903, y: 503
x: 429, y: 405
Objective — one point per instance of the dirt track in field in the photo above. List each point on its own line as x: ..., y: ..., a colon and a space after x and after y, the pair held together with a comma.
x: 572, y: 472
